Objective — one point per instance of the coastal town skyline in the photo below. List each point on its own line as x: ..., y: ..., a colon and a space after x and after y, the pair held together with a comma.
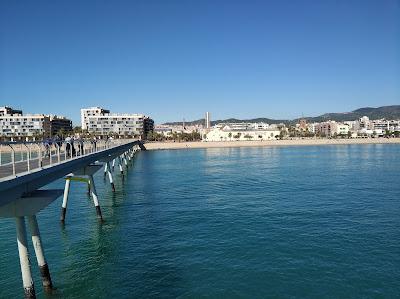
x: 102, y: 123
x: 77, y: 121
x: 176, y: 60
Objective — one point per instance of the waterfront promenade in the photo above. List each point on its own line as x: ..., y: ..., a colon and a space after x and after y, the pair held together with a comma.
x: 294, y: 142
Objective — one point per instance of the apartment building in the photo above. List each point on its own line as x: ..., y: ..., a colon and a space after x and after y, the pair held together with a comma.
x: 59, y: 124
x: 331, y: 128
x: 88, y: 112
x: 15, y: 124
x: 101, y: 122
x: 148, y: 125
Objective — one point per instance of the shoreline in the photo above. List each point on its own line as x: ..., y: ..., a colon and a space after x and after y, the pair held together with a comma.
x: 295, y: 142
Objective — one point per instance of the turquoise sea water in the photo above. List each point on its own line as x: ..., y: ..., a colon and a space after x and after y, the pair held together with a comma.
x: 278, y: 222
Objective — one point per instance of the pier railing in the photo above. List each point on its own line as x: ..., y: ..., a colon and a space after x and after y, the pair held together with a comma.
x: 25, y: 167
x: 24, y: 157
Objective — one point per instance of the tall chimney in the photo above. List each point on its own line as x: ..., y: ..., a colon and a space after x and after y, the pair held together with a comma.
x: 208, y: 121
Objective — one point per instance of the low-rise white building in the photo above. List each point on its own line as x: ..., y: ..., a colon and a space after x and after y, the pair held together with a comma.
x: 164, y: 130
x: 227, y: 133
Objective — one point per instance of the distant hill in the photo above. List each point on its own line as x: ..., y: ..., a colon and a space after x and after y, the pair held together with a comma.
x: 388, y: 112
x: 229, y: 120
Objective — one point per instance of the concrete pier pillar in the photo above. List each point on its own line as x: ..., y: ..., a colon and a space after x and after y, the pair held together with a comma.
x: 110, y: 177
x: 124, y: 157
x: 120, y: 165
x: 22, y: 241
x: 105, y: 169
x: 95, y: 198
x: 113, y: 164
x: 65, y: 200
x: 37, y: 245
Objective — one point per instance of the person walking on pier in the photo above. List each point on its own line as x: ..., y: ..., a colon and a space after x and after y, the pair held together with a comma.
x: 79, y: 141
x: 47, y: 144
x: 94, y: 143
x: 69, y: 144
x: 58, y: 141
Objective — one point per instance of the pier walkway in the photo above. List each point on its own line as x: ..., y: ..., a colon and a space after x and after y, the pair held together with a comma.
x: 27, y: 167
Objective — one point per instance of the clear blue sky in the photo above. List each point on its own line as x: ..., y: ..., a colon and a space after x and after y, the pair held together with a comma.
x: 175, y: 59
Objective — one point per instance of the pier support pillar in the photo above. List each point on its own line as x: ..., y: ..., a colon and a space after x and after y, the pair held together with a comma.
x: 113, y: 164
x: 95, y: 198
x: 124, y: 158
x: 22, y: 241
x: 105, y: 169
x: 120, y: 165
x: 65, y: 199
x: 37, y: 245
x: 110, y: 177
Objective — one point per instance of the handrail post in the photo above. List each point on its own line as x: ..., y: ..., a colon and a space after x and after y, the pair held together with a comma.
x: 28, y: 157
x: 12, y: 158
x: 39, y: 155
x: 65, y: 150
x: 58, y: 153
x: 51, y: 161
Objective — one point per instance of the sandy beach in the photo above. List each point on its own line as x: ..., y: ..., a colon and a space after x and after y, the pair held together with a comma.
x: 295, y: 142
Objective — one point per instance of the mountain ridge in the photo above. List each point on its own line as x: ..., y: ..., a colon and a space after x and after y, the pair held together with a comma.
x: 387, y: 112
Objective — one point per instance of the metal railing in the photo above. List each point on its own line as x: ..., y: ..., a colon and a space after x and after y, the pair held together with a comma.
x: 21, y: 157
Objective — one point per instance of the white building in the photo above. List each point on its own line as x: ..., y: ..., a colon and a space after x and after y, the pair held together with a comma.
x: 364, y: 123
x: 164, y: 130
x: 101, y: 122
x: 92, y: 111
x: 261, y: 126
x: 15, y: 124
x: 231, y: 133
x: 353, y: 125
x: 341, y: 129
x: 312, y: 127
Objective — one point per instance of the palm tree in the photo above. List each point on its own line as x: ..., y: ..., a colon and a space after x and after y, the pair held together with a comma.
x: 77, y: 130
x: 61, y: 132
x: 230, y: 135
x: 237, y: 136
x: 248, y: 137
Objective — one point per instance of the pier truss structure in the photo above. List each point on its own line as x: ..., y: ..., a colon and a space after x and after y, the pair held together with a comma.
x: 26, y: 167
